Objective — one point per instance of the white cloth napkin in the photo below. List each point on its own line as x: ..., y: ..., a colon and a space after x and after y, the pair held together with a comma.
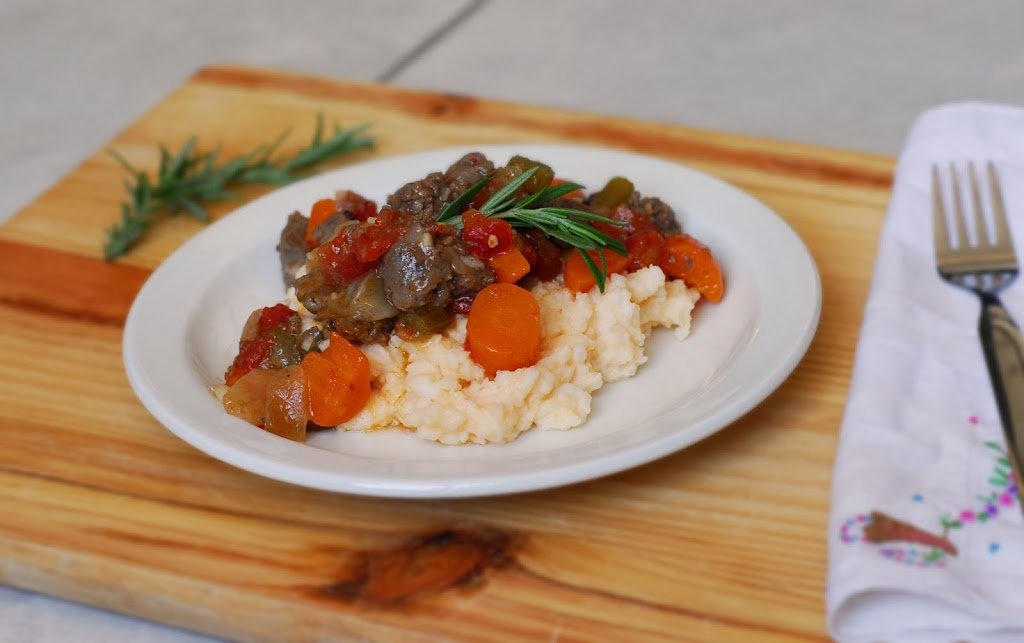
x: 921, y: 440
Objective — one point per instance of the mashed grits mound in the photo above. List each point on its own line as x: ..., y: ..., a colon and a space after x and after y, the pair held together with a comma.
x: 434, y: 388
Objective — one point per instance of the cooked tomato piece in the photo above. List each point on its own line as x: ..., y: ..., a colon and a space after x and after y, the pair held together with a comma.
x: 484, y: 236
x: 338, y: 260
x: 274, y: 316
x: 251, y: 353
x: 358, y: 248
x: 372, y: 242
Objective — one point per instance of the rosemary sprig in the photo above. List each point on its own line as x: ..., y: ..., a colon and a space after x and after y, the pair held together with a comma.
x: 569, y: 225
x: 186, y: 180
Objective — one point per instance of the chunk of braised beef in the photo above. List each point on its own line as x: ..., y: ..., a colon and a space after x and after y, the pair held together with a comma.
x: 469, y: 274
x: 292, y: 247
x: 413, y: 268
x: 462, y: 174
x: 363, y: 332
x: 360, y: 311
x: 656, y: 210
x: 423, y: 199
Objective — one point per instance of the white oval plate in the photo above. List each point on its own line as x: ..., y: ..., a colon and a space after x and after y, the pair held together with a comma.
x: 183, y: 330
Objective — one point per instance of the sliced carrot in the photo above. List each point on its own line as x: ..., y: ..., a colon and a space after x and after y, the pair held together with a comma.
x: 683, y: 257
x: 322, y: 211
x: 509, y: 266
x: 578, y: 276
x: 503, y: 329
x: 339, y: 382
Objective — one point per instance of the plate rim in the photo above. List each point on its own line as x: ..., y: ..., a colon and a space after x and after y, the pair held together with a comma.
x: 506, y: 483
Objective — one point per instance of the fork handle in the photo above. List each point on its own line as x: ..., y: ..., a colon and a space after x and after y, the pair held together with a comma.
x: 1003, y: 344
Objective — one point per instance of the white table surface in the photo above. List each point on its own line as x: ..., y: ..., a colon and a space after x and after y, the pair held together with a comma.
x: 850, y: 74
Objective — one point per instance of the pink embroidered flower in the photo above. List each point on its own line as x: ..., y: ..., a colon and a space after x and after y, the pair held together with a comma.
x: 967, y: 516
x: 1006, y: 499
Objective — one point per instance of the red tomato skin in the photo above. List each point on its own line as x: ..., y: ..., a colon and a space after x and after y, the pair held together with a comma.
x: 484, y: 236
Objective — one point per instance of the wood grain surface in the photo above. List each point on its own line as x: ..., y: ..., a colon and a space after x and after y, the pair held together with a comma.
x: 99, y: 503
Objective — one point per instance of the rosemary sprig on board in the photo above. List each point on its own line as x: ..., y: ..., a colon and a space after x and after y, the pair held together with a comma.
x: 569, y: 225
x: 187, y: 180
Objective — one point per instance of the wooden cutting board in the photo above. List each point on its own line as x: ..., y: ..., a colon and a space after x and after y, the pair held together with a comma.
x: 100, y: 504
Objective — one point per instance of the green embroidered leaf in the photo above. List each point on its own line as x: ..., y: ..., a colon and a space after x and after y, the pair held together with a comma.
x: 995, y: 446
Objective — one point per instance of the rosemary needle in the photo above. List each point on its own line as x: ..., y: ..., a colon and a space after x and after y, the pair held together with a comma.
x: 186, y: 180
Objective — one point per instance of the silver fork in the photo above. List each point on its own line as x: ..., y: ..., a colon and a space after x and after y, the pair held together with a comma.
x: 986, y: 267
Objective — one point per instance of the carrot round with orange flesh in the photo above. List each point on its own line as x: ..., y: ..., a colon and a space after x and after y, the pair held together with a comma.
x: 579, y: 278
x: 683, y: 257
x: 509, y: 266
x: 503, y: 329
x: 338, y: 380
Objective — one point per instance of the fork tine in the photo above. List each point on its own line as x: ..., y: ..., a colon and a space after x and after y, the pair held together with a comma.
x: 980, y: 229
x: 940, y: 229
x: 1003, y: 238
x: 958, y: 210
